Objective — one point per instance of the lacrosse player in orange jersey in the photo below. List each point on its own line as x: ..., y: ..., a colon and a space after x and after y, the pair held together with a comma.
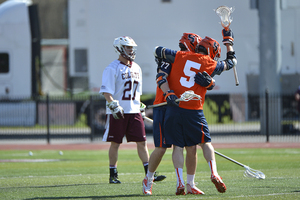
x: 188, y: 42
x: 185, y: 124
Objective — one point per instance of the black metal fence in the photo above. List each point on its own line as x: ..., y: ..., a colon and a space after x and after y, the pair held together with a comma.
x: 229, y: 117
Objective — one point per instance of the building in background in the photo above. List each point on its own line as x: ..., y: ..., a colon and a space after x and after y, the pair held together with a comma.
x: 85, y: 29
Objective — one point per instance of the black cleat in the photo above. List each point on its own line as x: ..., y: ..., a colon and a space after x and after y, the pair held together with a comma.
x: 114, y: 180
x: 158, y: 177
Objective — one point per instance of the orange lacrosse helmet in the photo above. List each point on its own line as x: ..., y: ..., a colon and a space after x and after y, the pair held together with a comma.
x: 189, y: 41
x: 210, y: 47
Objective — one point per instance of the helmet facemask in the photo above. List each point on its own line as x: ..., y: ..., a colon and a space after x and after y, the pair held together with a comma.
x: 129, y: 52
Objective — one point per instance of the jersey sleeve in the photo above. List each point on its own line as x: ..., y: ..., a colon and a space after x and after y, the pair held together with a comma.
x: 108, y: 81
x: 164, y: 66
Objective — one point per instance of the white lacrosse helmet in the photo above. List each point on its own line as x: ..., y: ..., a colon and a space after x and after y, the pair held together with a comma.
x: 119, y: 44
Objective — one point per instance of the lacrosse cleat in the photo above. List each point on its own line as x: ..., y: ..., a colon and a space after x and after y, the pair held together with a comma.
x: 114, y: 179
x: 147, y: 185
x: 180, y: 189
x: 192, y: 189
x: 217, y: 180
x: 158, y: 177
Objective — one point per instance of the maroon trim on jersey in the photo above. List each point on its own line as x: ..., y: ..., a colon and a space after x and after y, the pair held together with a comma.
x: 129, y: 65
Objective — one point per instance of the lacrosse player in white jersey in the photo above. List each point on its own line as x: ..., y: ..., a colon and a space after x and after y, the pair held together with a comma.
x: 122, y: 87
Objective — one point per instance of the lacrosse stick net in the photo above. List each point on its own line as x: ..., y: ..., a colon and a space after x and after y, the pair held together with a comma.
x: 186, y: 96
x: 189, y: 95
x: 252, y: 173
x: 249, y: 172
x: 224, y: 13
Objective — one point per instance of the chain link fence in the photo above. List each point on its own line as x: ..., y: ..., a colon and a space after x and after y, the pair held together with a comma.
x: 231, y: 118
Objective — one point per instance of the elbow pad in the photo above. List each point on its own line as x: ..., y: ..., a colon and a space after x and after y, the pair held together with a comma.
x: 231, y: 60
x: 158, y: 51
x: 161, y: 78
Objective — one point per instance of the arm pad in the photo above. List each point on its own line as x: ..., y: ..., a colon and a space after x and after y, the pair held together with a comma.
x: 167, y: 54
x: 161, y: 78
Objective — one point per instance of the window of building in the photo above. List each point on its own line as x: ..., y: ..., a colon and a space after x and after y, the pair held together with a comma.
x: 81, y: 64
x: 4, y: 63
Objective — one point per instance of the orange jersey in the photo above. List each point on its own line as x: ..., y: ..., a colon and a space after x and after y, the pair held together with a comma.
x: 159, y: 97
x: 181, y: 77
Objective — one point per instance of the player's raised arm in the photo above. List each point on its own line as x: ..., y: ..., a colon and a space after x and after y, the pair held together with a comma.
x: 228, y: 41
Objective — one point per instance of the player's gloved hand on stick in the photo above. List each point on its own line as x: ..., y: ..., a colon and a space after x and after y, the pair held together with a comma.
x: 116, y: 109
x: 171, y: 98
x: 205, y: 80
x: 228, y: 37
x: 142, y: 109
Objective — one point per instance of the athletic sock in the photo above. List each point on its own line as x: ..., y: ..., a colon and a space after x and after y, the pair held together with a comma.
x: 213, y: 167
x: 190, y: 179
x: 145, y: 167
x: 179, y: 175
x: 113, y: 171
x: 150, y: 174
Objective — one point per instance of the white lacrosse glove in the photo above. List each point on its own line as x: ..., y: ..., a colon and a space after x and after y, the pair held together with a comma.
x: 142, y: 109
x: 116, y: 109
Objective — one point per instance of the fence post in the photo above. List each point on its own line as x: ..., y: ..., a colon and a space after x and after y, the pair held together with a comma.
x: 92, y: 117
x: 267, y: 114
x: 48, y: 119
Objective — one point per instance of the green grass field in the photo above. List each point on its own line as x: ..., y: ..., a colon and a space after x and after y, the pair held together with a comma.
x: 84, y: 175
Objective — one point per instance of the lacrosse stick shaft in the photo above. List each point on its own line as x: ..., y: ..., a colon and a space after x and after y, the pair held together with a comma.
x: 230, y: 159
x: 186, y: 96
x: 161, y: 104
x: 236, y: 76
x: 147, y: 119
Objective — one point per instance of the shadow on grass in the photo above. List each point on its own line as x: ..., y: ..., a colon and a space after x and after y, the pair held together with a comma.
x: 50, y: 186
x: 89, y: 197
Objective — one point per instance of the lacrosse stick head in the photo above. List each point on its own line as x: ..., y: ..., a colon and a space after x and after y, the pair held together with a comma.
x: 189, y: 95
x: 224, y: 13
x: 252, y: 173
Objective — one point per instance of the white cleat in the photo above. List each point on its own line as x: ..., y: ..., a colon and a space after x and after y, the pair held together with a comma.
x: 147, y: 186
x: 192, y: 189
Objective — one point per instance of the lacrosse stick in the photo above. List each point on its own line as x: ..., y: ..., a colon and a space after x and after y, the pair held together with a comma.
x: 224, y: 13
x: 147, y: 119
x: 186, y: 96
x: 249, y: 172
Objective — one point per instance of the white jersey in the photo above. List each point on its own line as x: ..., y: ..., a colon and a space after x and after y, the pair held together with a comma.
x: 124, y: 84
